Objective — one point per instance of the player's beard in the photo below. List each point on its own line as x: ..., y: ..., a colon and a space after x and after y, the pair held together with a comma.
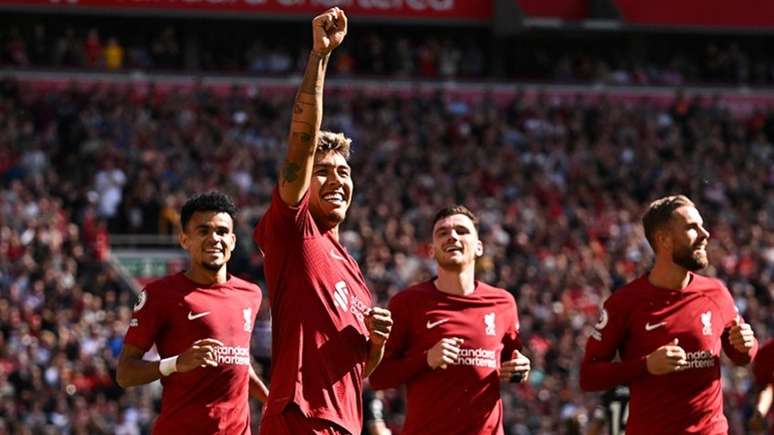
x: 690, y: 258
x: 213, y: 267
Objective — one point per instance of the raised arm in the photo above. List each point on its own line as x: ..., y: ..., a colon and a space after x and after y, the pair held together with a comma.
x: 328, y: 30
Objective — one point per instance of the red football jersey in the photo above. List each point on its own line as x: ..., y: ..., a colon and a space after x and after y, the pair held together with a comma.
x: 464, y: 398
x: 763, y: 366
x: 318, y: 296
x: 763, y: 369
x: 173, y: 312
x: 639, y: 318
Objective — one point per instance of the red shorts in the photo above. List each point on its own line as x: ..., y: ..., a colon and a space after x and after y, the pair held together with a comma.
x: 293, y: 422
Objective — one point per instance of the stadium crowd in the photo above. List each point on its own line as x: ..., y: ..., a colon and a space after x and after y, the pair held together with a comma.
x: 402, y: 52
x: 559, y: 187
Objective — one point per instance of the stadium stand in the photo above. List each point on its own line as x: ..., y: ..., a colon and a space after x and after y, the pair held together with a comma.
x: 559, y: 186
x: 389, y: 51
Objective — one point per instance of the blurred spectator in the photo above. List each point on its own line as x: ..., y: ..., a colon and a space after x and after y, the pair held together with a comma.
x: 92, y: 49
x: 67, y: 50
x: 165, y: 49
x: 16, y: 48
x: 114, y: 54
x: 109, y: 182
x: 39, y: 47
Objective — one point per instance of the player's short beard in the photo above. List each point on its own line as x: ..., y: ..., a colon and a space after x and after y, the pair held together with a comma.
x: 337, y: 217
x: 212, y: 267
x: 689, y: 258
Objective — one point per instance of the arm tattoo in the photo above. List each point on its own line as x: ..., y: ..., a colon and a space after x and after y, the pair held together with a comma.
x: 313, y: 77
x: 303, y: 136
x: 308, y: 124
x: 290, y: 171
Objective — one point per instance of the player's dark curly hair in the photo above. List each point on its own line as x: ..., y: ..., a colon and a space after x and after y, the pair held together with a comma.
x: 210, y: 201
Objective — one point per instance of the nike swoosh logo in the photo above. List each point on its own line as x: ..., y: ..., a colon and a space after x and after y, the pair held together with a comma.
x: 431, y: 325
x: 336, y: 255
x: 192, y: 316
x: 649, y: 327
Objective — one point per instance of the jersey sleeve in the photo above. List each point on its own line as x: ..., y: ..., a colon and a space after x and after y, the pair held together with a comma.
x: 146, y: 320
x: 730, y: 317
x: 511, y: 339
x: 763, y: 365
x: 282, y: 222
x: 398, y: 366
x: 598, y: 371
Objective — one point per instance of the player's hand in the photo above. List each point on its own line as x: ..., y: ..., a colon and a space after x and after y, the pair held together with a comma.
x: 328, y: 30
x: 202, y: 353
x: 518, y: 364
x: 444, y: 352
x: 378, y: 321
x: 666, y: 359
x: 741, y: 336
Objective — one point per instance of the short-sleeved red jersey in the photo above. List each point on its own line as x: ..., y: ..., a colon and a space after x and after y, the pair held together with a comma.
x: 763, y: 369
x: 464, y: 398
x: 318, y: 298
x: 173, y: 312
x: 763, y: 366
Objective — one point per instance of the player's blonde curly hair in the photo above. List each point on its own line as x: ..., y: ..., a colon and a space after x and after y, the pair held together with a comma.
x: 328, y: 141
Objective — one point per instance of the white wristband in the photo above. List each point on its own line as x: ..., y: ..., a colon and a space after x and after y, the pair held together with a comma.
x: 167, y: 366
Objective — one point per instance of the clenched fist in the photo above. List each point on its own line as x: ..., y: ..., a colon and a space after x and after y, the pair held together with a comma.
x: 741, y: 337
x: 202, y: 353
x: 378, y: 321
x: 666, y: 359
x: 518, y: 365
x: 328, y: 31
x: 444, y: 352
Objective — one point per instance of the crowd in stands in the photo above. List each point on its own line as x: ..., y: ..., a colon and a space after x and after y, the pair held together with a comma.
x: 434, y: 53
x: 559, y: 187
x: 711, y: 63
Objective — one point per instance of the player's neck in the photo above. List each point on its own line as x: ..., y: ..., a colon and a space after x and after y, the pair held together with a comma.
x: 326, y: 228
x: 335, y: 233
x: 666, y: 274
x: 456, y: 282
x: 207, y: 277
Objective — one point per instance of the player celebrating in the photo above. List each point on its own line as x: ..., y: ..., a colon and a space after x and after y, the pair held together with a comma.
x: 201, y: 321
x: 454, y: 339
x: 668, y: 327
x: 325, y: 336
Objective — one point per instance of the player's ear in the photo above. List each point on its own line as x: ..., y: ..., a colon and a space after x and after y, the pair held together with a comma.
x: 182, y: 238
x: 479, y: 248
x: 232, y: 241
x: 663, y: 240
